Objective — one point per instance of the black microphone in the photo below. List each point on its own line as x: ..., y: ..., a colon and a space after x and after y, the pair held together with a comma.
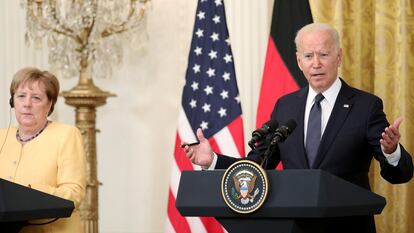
x: 261, y: 133
x: 283, y: 132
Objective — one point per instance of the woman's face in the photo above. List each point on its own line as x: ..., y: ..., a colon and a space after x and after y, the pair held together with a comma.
x: 31, y: 106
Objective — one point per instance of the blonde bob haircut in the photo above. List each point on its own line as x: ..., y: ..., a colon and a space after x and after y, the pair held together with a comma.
x: 30, y: 75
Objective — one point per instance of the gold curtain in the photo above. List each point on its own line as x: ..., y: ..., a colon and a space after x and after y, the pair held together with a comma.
x: 378, y: 45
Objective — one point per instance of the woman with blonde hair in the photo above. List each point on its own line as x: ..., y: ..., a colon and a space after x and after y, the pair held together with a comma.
x: 42, y: 154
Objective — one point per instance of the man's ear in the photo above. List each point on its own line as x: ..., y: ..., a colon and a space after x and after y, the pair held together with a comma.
x: 298, y: 61
x: 339, y: 57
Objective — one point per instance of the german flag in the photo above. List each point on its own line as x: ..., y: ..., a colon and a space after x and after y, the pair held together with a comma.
x: 281, y: 72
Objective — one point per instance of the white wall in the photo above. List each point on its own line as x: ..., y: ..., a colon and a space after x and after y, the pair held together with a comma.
x: 138, y: 126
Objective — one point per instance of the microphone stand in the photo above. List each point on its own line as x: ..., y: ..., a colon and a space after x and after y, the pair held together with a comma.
x: 276, y: 138
x: 266, y: 155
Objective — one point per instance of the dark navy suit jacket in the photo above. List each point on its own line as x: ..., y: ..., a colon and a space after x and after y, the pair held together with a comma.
x: 349, y: 142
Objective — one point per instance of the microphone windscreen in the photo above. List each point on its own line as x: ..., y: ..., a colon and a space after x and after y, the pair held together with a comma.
x: 271, y: 124
x: 291, y: 125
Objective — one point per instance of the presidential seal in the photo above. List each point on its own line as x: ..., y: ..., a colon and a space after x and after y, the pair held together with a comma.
x: 244, y: 186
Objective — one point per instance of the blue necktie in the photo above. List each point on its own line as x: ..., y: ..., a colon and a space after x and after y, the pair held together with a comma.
x: 313, y: 134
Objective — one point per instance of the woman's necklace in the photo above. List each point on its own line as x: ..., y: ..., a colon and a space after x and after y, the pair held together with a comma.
x: 20, y: 139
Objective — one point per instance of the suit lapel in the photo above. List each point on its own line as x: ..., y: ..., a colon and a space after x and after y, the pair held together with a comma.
x: 339, y: 114
x: 302, y: 96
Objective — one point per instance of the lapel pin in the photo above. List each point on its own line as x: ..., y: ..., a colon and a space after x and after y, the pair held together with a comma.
x: 346, y: 105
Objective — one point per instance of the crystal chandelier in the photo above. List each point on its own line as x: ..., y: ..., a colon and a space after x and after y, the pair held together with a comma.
x: 85, y: 36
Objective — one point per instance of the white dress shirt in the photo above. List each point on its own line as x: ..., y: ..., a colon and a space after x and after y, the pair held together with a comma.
x: 327, y: 105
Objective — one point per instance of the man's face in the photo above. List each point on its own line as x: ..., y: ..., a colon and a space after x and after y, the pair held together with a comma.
x: 319, y: 59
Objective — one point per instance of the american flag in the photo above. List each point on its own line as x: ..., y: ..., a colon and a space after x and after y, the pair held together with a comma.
x: 211, y: 102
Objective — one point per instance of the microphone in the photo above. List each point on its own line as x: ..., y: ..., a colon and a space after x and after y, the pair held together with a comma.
x: 283, y: 132
x: 259, y: 134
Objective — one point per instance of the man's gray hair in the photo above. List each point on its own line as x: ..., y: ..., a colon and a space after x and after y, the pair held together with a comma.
x: 318, y: 27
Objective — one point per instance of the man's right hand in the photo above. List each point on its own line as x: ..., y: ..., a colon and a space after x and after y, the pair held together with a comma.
x: 201, y: 154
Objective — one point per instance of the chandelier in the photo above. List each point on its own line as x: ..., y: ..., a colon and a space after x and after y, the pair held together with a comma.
x: 85, y: 36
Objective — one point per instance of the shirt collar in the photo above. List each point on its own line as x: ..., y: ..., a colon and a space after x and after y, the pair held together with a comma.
x: 330, y: 94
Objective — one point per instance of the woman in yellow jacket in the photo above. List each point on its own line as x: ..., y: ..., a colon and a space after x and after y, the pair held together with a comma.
x: 41, y: 154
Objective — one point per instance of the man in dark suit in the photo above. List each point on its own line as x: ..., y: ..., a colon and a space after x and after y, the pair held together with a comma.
x: 339, y: 128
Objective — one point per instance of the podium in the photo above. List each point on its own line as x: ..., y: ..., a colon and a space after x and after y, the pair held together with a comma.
x: 298, y: 201
x: 19, y: 204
